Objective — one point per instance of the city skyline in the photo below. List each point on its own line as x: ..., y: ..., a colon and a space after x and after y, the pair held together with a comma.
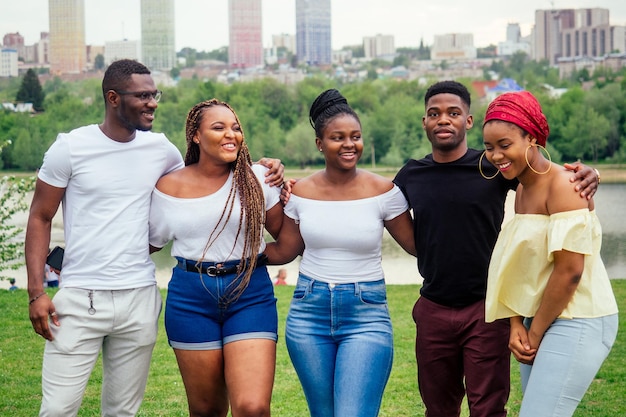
x: 205, y: 26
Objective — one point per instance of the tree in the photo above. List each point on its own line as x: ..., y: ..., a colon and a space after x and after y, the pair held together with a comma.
x: 12, y: 201
x: 300, y: 146
x: 30, y: 91
x: 98, y: 62
x: 587, y: 131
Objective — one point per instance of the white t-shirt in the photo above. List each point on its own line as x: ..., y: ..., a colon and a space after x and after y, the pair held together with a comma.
x: 343, y: 239
x: 106, y: 205
x: 188, y: 222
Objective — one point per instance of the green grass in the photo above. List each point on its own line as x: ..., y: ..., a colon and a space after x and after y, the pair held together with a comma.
x: 21, y: 352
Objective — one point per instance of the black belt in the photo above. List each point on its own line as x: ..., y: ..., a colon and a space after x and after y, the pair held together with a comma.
x: 214, y: 269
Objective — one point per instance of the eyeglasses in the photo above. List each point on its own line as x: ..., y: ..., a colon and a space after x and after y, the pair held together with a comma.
x: 144, y: 96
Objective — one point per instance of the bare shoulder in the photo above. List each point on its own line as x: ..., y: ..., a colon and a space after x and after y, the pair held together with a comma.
x: 562, y: 194
x: 171, y: 182
x: 311, y: 187
x: 379, y: 184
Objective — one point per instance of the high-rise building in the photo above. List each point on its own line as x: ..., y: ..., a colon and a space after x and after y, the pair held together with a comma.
x: 379, y: 46
x: 568, y: 33
x: 158, y: 46
x: 453, y: 46
x: 513, y: 33
x: 285, y: 40
x: 67, y: 51
x: 514, y: 42
x: 42, y: 49
x: 313, y: 32
x: 13, y: 40
x: 123, y: 49
x: 547, y: 32
x: 245, y: 27
x: 8, y: 62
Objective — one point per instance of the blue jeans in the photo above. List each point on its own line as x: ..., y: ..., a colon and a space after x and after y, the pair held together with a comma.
x: 340, y: 341
x: 568, y: 359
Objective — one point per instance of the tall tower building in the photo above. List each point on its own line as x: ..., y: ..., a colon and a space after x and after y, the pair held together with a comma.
x: 67, y: 51
x: 568, y: 33
x: 379, y: 46
x: 313, y: 32
x: 513, y: 33
x: 453, y: 46
x: 549, y: 24
x: 158, y: 47
x: 245, y: 25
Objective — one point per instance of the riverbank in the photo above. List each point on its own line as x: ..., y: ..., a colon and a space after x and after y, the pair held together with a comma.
x: 613, y: 174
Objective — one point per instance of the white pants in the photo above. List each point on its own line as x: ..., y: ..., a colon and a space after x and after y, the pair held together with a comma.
x: 123, y: 326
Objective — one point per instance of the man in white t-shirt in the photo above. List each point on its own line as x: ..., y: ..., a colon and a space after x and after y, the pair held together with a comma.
x: 108, y: 302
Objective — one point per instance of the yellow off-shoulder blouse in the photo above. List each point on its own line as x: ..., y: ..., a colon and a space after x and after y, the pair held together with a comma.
x: 522, y: 262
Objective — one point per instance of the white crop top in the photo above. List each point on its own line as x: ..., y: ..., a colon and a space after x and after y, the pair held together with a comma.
x: 188, y: 222
x: 343, y: 239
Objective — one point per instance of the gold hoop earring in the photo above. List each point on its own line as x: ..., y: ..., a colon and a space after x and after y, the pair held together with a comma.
x: 528, y: 163
x: 480, y: 168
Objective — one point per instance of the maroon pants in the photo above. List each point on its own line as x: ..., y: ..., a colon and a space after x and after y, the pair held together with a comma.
x: 458, y: 353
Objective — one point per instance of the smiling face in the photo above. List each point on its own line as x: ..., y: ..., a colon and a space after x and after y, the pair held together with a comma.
x: 219, y: 135
x: 341, y: 143
x: 446, y: 121
x: 505, y: 147
x: 133, y: 113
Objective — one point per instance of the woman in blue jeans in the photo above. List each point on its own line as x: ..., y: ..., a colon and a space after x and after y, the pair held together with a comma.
x: 546, y: 273
x: 338, y: 332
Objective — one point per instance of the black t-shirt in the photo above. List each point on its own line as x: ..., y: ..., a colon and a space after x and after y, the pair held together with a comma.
x: 457, y: 217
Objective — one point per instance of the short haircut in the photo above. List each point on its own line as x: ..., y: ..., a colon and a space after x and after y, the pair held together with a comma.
x: 118, y: 74
x: 448, y: 87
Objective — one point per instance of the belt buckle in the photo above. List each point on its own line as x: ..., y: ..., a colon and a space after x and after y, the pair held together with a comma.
x: 212, y: 271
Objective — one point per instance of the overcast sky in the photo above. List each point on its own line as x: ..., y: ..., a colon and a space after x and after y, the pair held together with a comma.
x: 203, y: 24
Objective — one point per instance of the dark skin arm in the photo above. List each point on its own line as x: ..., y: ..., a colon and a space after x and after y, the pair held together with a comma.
x: 275, y: 175
x: 588, y: 179
x: 401, y: 229
x: 288, y: 245
x: 44, y: 206
x: 562, y: 284
x: 274, y: 220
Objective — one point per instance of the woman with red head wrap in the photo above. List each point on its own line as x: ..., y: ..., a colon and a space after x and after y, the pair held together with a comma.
x: 546, y: 273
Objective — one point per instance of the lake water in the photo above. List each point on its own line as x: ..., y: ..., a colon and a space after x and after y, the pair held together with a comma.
x: 401, y: 268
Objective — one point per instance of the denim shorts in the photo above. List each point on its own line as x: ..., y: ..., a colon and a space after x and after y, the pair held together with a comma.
x: 199, y: 317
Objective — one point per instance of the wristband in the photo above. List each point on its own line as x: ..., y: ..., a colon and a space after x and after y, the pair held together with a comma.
x: 598, y: 174
x: 35, y: 298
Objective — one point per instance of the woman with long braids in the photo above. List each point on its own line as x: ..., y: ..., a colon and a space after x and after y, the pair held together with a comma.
x: 220, y: 314
x: 338, y: 332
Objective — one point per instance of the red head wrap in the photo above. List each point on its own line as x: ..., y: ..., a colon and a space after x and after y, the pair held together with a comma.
x: 523, y: 110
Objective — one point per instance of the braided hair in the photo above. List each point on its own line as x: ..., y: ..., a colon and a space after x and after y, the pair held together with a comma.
x: 326, y: 107
x: 246, y: 186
